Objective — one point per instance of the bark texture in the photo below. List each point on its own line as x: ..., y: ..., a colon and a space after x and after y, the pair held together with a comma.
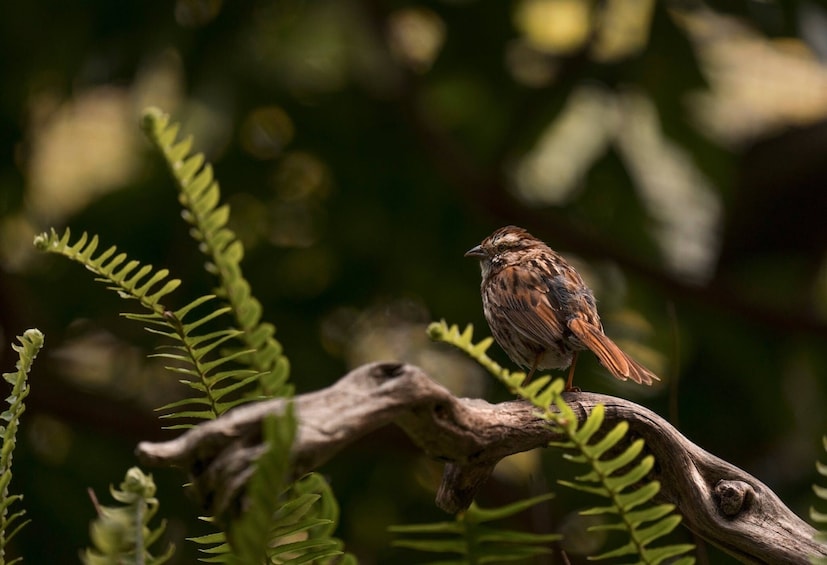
x: 719, y: 502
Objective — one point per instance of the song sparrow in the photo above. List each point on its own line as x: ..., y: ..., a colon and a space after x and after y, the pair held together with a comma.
x: 539, y: 309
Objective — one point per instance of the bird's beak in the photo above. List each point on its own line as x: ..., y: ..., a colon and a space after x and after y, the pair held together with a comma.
x: 475, y: 252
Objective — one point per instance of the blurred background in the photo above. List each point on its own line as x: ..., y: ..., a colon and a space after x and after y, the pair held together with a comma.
x: 672, y: 150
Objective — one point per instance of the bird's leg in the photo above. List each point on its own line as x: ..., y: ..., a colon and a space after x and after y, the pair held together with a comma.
x: 570, y: 380
x: 533, y: 368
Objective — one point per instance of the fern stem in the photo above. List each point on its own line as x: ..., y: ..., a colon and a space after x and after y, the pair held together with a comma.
x: 121, y: 534
x: 582, y: 448
x: 178, y: 326
x: 199, y: 193
x: 139, y: 534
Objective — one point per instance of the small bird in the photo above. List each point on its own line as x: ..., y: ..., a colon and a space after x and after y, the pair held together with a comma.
x: 540, y: 311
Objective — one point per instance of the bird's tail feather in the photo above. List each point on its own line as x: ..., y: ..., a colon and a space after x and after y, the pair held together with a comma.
x: 620, y: 365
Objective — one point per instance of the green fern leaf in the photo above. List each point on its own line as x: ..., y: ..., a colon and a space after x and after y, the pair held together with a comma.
x: 30, y: 343
x: 473, y: 542
x: 479, y: 515
x: 537, y: 385
x: 516, y: 537
x: 283, y: 522
x: 650, y: 513
x: 638, y: 497
x: 212, y: 379
x: 121, y: 534
x: 631, y: 453
x: 593, y: 423
x: 250, y: 534
x: 815, y: 515
x: 618, y: 483
x: 110, y: 272
x: 434, y: 546
x: 595, y: 490
x: 621, y: 478
x: 199, y: 194
x: 657, y: 530
x: 455, y: 527
x: 596, y: 451
x: 661, y: 554
x: 441, y: 331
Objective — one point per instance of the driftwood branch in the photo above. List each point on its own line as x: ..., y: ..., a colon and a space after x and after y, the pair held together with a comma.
x: 719, y: 502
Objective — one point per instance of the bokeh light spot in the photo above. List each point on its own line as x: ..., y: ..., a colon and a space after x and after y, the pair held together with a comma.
x: 554, y: 26
x: 266, y: 131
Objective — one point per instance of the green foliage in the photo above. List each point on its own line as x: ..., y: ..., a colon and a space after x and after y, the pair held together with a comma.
x: 206, y: 362
x: 212, y: 379
x: 468, y: 537
x: 10, y: 524
x: 199, y: 194
x: 440, y: 331
x: 121, y: 534
x: 621, y: 479
x: 614, y: 473
x: 815, y: 515
x: 130, y: 279
x: 283, y: 523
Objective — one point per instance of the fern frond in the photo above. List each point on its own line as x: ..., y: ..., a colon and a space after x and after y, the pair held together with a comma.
x: 130, y: 280
x: 284, y: 523
x: 199, y: 194
x: 121, y: 534
x: 473, y: 542
x: 250, y: 535
x: 30, y: 344
x: 217, y: 381
x: 815, y: 515
x: 620, y: 477
x: 441, y: 331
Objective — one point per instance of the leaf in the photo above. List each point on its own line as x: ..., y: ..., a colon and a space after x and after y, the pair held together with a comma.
x: 121, y: 534
x: 211, y: 382
x: 474, y: 542
x: 429, y: 528
x: 200, y: 195
x: 617, y: 478
x: 283, y: 521
x: 475, y: 514
x: 592, y: 424
x: 109, y: 272
x: 30, y: 344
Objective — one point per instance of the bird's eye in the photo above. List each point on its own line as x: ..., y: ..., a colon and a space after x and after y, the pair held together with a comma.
x: 502, y: 246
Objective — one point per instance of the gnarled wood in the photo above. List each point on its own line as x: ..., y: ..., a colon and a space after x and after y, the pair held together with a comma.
x: 719, y: 502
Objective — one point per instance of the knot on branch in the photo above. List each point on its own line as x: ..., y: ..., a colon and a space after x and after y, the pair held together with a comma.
x: 733, y: 497
x: 472, y: 436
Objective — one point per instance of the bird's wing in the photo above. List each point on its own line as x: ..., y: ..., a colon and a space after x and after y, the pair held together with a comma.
x: 531, y: 308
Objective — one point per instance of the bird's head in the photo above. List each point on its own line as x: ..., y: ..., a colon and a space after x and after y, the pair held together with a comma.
x: 506, y: 246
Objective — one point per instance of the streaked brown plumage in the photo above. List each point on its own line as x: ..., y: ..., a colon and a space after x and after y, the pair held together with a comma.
x: 539, y: 309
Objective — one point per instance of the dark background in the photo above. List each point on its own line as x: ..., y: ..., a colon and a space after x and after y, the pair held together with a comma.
x: 674, y: 152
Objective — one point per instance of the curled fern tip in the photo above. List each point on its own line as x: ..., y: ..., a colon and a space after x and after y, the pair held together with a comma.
x: 151, y: 117
x: 41, y: 241
x: 436, y: 330
x: 35, y: 336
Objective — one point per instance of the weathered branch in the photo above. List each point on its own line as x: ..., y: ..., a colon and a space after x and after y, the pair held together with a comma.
x: 720, y: 502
